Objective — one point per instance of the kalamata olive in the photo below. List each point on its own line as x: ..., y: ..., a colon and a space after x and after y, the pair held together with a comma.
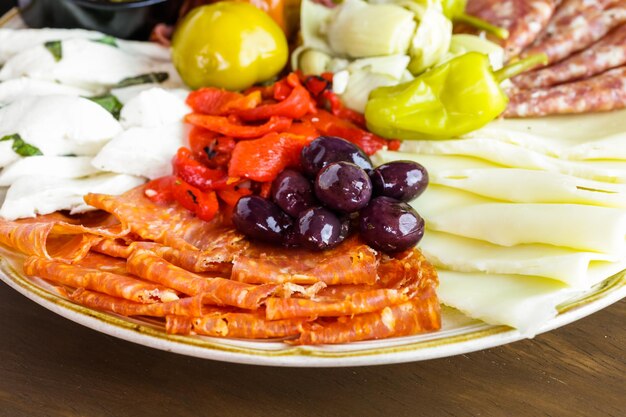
x: 319, y: 229
x: 292, y: 192
x: 343, y: 186
x: 390, y: 225
x: 402, y: 180
x: 261, y: 219
x: 328, y: 149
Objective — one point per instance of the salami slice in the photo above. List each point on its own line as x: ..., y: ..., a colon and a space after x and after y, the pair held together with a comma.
x: 189, y: 307
x: 524, y: 19
x: 117, y: 285
x: 402, y: 278
x: 609, y: 52
x: 245, y: 326
x: 219, y: 291
x: 352, y: 262
x: 603, y: 92
x: 586, y: 29
x: 171, y: 225
x: 178, y: 325
x: 421, y: 314
x: 54, y: 236
x: 189, y: 259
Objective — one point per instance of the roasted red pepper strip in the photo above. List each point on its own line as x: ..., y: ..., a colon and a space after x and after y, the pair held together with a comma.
x: 194, y: 173
x: 226, y: 127
x: 263, y: 159
x: 209, y: 148
x: 233, y: 193
x: 296, y: 105
x: 329, y: 124
x: 203, y: 204
x: 218, y: 102
x: 160, y: 190
x: 338, y: 109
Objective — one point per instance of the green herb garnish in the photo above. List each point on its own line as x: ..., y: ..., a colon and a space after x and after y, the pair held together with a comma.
x: 150, y: 78
x: 55, y: 48
x: 107, y: 40
x: 20, y: 147
x: 110, y: 103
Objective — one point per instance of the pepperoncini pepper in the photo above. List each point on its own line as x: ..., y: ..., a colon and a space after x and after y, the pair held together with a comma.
x: 231, y: 45
x: 455, y: 11
x: 450, y: 100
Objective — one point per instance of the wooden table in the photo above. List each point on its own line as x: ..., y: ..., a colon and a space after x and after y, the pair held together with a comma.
x: 53, y: 367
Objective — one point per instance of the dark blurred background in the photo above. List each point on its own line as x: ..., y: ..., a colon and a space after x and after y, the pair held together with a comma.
x: 5, y: 5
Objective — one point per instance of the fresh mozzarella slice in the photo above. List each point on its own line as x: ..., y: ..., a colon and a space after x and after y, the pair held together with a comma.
x: 514, y: 156
x: 140, y: 151
x: 83, y: 64
x: 57, y: 125
x: 48, y: 166
x: 519, y: 301
x: 14, y: 41
x: 152, y: 108
x: 33, y: 195
x: 528, y: 186
x: 17, y: 88
x: 586, y: 228
x: 126, y: 94
x: 469, y: 255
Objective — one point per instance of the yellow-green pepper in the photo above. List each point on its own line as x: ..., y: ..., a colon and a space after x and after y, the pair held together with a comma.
x: 450, y: 100
x: 455, y: 11
x: 229, y: 44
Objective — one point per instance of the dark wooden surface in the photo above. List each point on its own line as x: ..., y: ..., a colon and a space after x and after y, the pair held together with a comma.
x: 51, y: 366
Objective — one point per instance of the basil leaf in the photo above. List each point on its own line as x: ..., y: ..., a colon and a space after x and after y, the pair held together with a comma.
x: 150, y: 78
x: 20, y: 147
x: 107, y: 40
x: 110, y: 103
x: 55, y: 48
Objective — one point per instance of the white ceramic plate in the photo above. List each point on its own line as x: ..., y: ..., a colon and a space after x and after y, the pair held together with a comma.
x: 459, y: 334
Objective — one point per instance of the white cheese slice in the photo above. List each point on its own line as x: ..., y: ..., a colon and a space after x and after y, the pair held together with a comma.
x: 84, y: 64
x: 528, y: 186
x: 33, y: 195
x: 57, y: 125
x: 569, y: 266
x: 47, y: 166
x: 581, y: 227
x: 17, y: 88
x: 145, y: 152
x: 14, y: 41
x: 519, y: 301
x: 153, y: 108
x: 514, y: 156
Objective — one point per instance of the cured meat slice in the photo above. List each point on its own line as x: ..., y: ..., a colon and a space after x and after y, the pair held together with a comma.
x: 421, y: 314
x: 178, y: 325
x: 524, y: 19
x: 219, y: 291
x: 54, y: 236
x: 245, y: 326
x: 603, y: 92
x: 403, y: 279
x: 171, y: 225
x: 352, y: 262
x: 94, y: 279
x: 609, y: 52
x: 190, y: 306
x: 191, y: 260
x: 568, y: 10
x: 586, y: 29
